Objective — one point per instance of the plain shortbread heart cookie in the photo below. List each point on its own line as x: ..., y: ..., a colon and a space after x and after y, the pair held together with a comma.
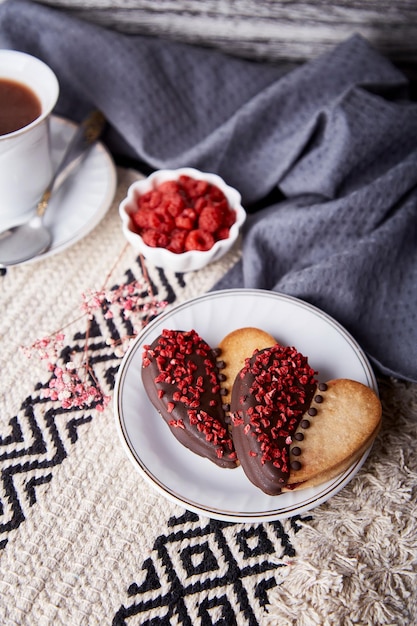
x: 234, y: 350
x: 291, y: 431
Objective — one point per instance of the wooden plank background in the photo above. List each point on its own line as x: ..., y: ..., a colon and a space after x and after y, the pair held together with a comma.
x: 266, y: 29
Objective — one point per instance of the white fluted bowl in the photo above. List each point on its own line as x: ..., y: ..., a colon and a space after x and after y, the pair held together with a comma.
x: 162, y: 257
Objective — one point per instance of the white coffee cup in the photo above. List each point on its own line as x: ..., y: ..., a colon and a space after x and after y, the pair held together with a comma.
x: 25, y: 154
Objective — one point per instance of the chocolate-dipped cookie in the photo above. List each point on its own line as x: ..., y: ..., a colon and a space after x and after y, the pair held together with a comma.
x: 343, y: 419
x: 269, y: 398
x: 234, y: 349
x: 292, y: 432
x: 181, y: 376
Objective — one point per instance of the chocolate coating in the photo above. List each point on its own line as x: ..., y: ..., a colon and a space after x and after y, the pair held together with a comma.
x: 269, y: 398
x: 180, y: 376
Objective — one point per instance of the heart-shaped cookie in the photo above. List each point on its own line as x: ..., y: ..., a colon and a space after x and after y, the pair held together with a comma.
x: 269, y: 397
x: 334, y: 433
x: 182, y: 378
x: 290, y: 431
x: 235, y: 348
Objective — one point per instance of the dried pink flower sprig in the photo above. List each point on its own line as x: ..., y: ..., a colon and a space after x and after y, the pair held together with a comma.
x: 66, y: 387
x: 131, y: 300
x: 75, y: 385
x: 71, y: 386
x: 47, y: 348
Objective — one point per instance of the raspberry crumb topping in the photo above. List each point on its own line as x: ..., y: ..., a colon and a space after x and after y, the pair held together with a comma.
x: 188, y: 380
x: 276, y: 387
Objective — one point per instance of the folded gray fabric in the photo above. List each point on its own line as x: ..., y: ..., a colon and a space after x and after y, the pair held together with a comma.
x: 336, y: 136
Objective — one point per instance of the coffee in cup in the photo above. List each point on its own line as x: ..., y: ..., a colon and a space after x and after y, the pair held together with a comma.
x: 20, y: 106
x: 29, y: 91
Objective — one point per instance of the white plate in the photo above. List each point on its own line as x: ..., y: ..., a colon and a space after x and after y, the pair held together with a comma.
x: 84, y: 197
x: 196, y: 483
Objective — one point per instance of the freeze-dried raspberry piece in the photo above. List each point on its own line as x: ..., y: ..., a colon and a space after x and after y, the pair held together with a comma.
x: 229, y: 217
x: 173, y: 204
x: 166, y: 221
x: 155, y: 219
x: 216, y: 194
x: 150, y: 200
x: 222, y: 205
x: 152, y: 218
x: 142, y: 218
x: 169, y: 187
x: 194, y: 188
x: 185, y: 180
x: 186, y: 219
x: 211, y: 219
x: 199, y: 240
x: 154, y: 238
x: 200, y: 203
x: 200, y: 188
x: 223, y: 233
x: 177, y: 240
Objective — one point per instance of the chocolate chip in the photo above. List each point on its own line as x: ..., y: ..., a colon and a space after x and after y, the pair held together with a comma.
x: 312, y: 411
x: 221, y: 364
x: 299, y: 436
x: 318, y: 399
x: 223, y: 391
x: 323, y: 387
x: 216, y: 351
x: 226, y: 407
x: 222, y: 377
x: 295, y: 465
x: 296, y: 451
x: 305, y: 424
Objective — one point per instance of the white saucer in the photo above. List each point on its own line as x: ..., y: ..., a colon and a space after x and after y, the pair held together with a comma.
x: 84, y: 197
x: 196, y: 483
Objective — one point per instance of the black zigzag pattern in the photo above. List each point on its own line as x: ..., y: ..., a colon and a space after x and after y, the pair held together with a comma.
x: 41, y: 435
x: 216, y: 572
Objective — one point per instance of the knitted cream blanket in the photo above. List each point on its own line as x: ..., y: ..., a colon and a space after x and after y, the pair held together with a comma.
x: 85, y: 541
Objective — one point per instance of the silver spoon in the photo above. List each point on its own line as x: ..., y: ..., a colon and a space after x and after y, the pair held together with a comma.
x: 25, y: 241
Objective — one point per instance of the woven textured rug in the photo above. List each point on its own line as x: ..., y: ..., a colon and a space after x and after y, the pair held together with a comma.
x: 85, y: 541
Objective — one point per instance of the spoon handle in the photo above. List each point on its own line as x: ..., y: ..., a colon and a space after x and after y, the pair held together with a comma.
x: 84, y: 137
